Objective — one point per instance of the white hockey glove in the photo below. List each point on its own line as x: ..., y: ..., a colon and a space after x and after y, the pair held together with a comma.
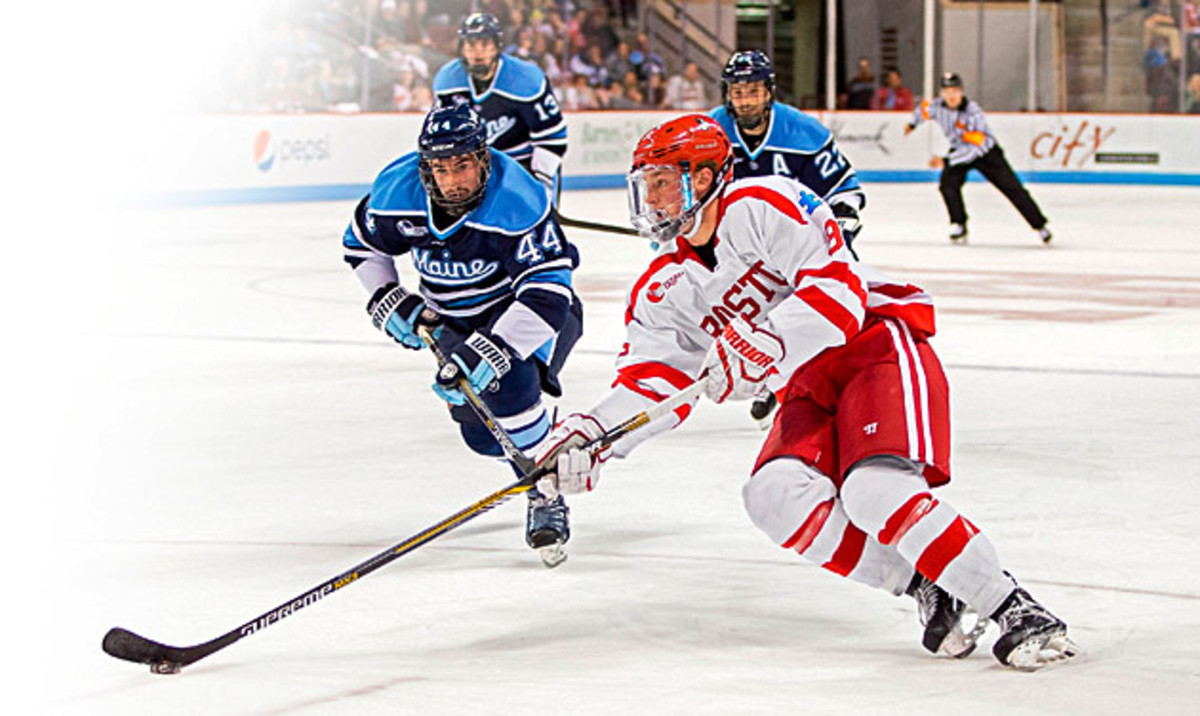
x: 573, y: 469
x: 544, y: 165
x: 740, y: 361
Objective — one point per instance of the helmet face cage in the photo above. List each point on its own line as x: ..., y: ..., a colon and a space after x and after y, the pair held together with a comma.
x: 745, y: 67
x: 670, y: 186
x: 452, y: 132
x: 480, y: 26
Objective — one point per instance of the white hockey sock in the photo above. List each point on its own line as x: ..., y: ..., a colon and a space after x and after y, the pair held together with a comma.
x: 798, y: 508
x: 893, y: 503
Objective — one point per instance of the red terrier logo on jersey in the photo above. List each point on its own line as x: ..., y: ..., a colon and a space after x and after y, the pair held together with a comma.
x: 742, y: 298
x: 657, y: 291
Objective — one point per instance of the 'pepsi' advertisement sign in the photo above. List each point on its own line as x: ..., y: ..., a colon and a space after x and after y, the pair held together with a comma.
x: 271, y: 151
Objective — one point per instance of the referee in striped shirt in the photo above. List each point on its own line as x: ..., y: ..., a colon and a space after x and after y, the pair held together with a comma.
x: 972, y: 146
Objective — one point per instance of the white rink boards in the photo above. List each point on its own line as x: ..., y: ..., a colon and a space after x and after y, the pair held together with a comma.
x: 241, y: 433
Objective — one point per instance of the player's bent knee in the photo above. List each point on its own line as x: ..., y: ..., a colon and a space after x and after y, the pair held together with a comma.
x: 783, y: 494
x: 477, y: 437
x: 880, y: 491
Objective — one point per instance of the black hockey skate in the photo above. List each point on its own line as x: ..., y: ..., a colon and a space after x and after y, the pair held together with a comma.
x: 1030, y: 636
x: 548, y: 527
x: 945, y: 618
x: 762, y: 408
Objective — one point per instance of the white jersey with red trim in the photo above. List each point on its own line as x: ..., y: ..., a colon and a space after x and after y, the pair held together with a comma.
x: 781, y: 263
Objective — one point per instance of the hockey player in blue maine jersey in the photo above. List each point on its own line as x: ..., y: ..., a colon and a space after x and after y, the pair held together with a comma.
x: 495, y: 285
x: 513, y: 97
x: 771, y: 137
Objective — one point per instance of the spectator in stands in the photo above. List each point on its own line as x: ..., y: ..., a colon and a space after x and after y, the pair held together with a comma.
x: 619, y: 62
x: 1193, y: 94
x: 590, y: 64
x: 576, y: 34
x: 579, y: 94
x: 647, y: 61
x: 632, y: 90
x: 387, y: 20
x: 1161, y: 80
x: 861, y: 88
x: 686, y: 91
x: 547, y: 53
x: 893, y: 94
x: 617, y: 99
x: 523, y: 46
x: 599, y: 30
x: 655, y: 94
x: 1191, y: 16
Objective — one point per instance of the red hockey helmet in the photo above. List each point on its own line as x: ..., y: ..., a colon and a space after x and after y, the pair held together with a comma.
x: 661, y: 199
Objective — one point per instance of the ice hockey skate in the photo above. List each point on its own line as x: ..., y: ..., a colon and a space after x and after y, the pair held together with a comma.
x: 945, y: 619
x: 1044, y: 234
x: 958, y: 233
x: 1030, y: 636
x: 547, y: 527
x: 763, y: 409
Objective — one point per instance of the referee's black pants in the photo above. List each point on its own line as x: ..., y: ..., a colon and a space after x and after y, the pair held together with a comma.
x: 993, y: 166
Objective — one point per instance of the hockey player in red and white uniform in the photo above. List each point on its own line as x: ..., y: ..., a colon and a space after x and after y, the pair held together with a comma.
x: 761, y: 287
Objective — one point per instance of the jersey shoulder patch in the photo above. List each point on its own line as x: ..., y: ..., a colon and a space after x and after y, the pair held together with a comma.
x: 452, y: 77
x: 515, y: 201
x: 793, y: 130
x: 721, y: 114
x: 519, y: 79
x: 398, y: 187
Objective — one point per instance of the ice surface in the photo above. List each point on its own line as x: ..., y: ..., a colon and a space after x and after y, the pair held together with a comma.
x: 233, y: 432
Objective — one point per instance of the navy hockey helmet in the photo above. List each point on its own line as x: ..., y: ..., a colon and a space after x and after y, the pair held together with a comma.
x: 748, y: 66
x: 453, y: 131
x: 950, y: 79
x: 481, y: 26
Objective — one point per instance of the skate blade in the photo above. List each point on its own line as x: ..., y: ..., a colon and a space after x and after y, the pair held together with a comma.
x: 552, y: 555
x: 1042, y: 651
x: 959, y: 643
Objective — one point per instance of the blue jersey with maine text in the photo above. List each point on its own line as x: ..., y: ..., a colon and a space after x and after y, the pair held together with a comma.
x: 504, y: 267
x: 795, y: 146
x: 518, y: 106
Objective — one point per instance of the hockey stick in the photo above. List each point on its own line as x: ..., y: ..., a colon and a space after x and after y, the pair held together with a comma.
x: 163, y: 659
x: 595, y: 226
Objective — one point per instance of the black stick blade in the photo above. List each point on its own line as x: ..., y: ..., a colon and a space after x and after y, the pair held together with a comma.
x: 124, y: 644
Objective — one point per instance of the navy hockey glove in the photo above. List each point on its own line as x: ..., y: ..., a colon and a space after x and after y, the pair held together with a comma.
x: 481, y: 359
x: 399, y: 313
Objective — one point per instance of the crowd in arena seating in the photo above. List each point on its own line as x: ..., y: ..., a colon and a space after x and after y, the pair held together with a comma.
x: 381, y: 55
